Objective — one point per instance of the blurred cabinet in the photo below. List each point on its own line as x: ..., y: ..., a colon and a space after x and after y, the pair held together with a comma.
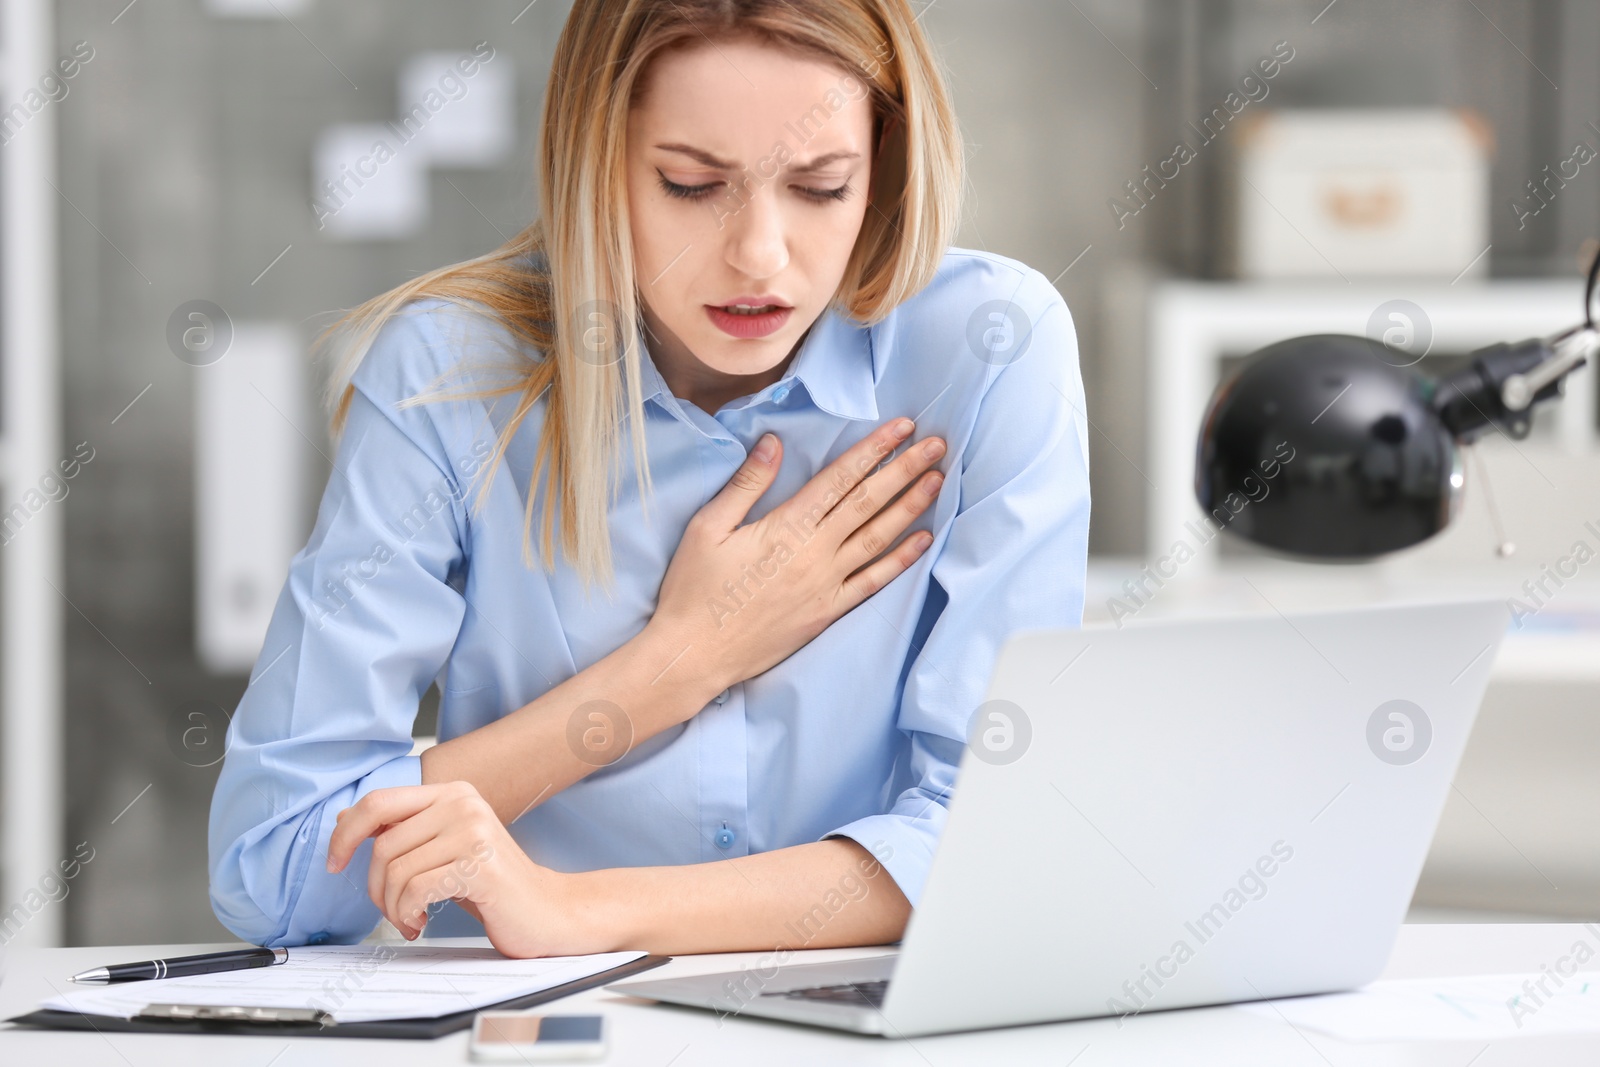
x: 1346, y: 193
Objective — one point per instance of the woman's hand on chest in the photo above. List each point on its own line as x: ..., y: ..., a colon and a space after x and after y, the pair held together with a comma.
x: 744, y: 598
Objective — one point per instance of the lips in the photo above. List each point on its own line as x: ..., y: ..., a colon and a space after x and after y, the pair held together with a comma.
x: 757, y: 317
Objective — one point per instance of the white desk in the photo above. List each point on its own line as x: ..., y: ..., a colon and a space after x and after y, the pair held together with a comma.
x: 655, y: 1036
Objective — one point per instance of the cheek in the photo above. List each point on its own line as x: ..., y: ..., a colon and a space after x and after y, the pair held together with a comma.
x: 830, y: 235
x: 659, y: 235
x: 852, y: 227
x: 661, y: 227
x: 644, y: 217
x: 844, y: 221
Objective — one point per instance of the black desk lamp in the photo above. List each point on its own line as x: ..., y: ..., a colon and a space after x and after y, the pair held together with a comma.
x: 1323, y: 447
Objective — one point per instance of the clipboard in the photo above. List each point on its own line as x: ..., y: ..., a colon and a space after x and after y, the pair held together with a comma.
x: 273, y: 1022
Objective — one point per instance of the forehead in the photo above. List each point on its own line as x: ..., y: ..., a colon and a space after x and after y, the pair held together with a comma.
x: 732, y: 94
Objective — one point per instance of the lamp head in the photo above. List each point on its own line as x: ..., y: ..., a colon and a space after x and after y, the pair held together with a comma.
x: 1319, y: 446
x: 1324, y: 447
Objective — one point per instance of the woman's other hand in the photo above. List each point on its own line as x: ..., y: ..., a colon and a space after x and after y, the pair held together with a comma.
x: 746, y: 597
x: 444, y: 842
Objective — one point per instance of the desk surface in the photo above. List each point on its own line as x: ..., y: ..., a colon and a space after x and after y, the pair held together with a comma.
x: 656, y: 1036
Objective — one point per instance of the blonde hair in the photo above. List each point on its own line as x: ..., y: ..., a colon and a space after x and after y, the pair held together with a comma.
x: 543, y: 284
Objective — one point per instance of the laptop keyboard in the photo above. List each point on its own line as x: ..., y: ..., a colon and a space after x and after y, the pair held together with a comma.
x: 868, y: 994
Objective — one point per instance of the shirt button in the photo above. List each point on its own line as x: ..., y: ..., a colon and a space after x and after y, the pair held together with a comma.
x: 721, y: 698
x: 318, y: 938
x: 780, y: 393
x: 724, y: 839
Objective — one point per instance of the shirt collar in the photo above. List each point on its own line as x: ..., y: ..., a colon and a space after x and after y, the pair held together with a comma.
x: 834, y: 364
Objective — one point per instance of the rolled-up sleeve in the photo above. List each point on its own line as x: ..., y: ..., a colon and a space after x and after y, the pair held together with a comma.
x: 364, y: 623
x: 1013, y: 559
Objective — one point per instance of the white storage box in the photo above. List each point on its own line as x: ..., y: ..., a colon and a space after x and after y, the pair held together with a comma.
x: 1369, y: 193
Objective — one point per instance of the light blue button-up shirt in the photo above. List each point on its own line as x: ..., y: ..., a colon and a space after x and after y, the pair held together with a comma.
x: 858, y: 734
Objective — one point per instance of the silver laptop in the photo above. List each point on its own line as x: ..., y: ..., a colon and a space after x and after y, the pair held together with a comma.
x: 1171, y: 814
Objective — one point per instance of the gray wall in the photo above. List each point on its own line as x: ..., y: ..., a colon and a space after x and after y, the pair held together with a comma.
x: 185, y: 149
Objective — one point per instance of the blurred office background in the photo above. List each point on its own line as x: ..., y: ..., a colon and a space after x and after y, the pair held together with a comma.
x: 183, y: 168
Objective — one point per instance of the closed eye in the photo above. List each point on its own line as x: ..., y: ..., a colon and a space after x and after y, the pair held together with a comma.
x: 686, y: 192
x: 826, y: 194
x: 700, y: 192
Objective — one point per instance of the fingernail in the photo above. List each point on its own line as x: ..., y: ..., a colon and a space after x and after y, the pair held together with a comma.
x: 932, y: 483
x: 902, y: 427
x: 933, y: 449
x: 924, y: 539
x: 766, y: 447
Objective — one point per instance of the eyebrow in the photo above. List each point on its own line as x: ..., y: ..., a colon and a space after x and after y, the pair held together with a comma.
x: 706, y: 158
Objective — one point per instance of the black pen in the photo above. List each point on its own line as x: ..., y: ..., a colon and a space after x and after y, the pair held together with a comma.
x: 184, y: 966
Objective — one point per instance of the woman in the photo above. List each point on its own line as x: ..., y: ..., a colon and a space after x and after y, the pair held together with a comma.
x: 749, y: 741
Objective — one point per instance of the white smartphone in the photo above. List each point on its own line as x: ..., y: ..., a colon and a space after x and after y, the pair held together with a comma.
x: 519, y: 1036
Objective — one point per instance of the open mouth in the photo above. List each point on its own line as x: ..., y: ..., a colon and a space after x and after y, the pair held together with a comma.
x: 747, y: 321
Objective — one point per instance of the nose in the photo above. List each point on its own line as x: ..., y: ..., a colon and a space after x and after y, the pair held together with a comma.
x: 757, y: 243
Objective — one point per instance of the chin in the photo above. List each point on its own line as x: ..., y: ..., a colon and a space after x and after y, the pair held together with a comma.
x: 730, y: 355
x: 750, y: 364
